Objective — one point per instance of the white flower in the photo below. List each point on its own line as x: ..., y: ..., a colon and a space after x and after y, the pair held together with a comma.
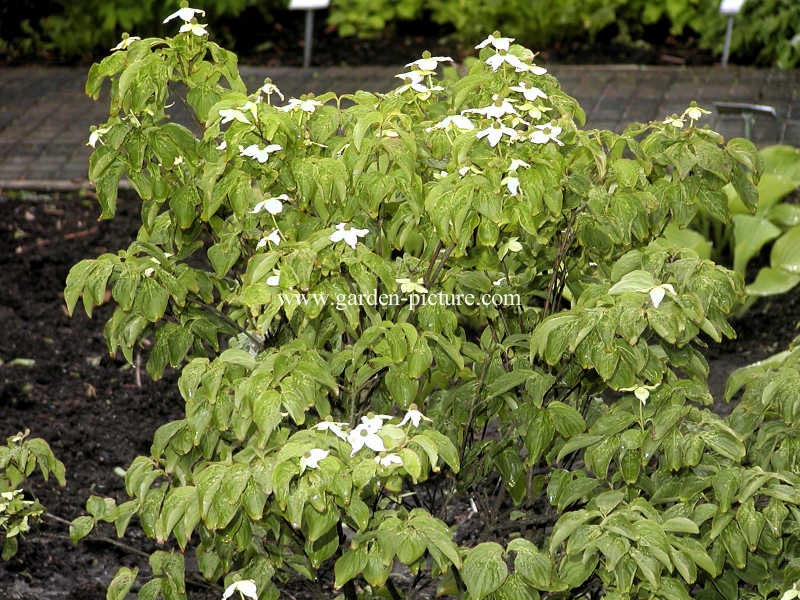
x: 546, y: 133
x: 389, y: 460
x: 657, y: 293
x: 415, y: 81
x: 695, y: 112
x: 185, y: 14
x: 126, y: 41
x: 334, y: 428
x: 498, y: 59
x: 311, y: 459
x: 413, y: 416
x: 364, y: 435
x: 642, y: 392
x: 195, y: 28
x: 273, y: 206
x: 96, y: 136
x: 499, y: 43
x: 308, y: 106
x: 674, y: 121
x: 274, y: 280
x: 231, y: 114
x: 500, y: 281
x: 530, y: 93
x: 516, y: 164
x: 408, y: 286
x: 429, y: 64
x: 375, y: 422
x: 464, y: 170
x: 271, y: 88
x: 274, y: 237
x: 512, y: 183
x: 349, y: 236
x: 494, y: 134
x: 458, y: 121
x: 260, y: 154
x: 222, y: 145
x: 500, y: 108
x: 245, y: 587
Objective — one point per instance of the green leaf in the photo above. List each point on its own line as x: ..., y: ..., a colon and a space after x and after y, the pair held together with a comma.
x: 121, y: 584
x: 635, y: 281
x: 80, y: 528
x: 350, y: 564
x: 772, y: 282
x: 750, y: 234
x: 681, y: 525
x: 484, y: 570
x: 567, y: 420
x: 786, y: 252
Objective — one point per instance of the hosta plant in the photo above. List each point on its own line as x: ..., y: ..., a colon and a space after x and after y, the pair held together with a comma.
x: 775, y: 225
x: 430, y: 341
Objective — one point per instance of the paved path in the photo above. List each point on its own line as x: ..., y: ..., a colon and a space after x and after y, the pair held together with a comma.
x: 45, y: 116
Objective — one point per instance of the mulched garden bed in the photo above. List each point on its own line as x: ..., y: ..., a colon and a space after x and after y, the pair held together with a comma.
x: 88, y: 407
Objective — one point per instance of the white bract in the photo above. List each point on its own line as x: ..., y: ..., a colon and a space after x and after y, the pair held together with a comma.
x: 375, y: 422
x: 364, y: 435
x: 308, y: 106
x: 389, y: 460
x: 408, y: 286
x: 273, y: 206
x: 258, y: 153
x: 675, y: 121
x: 274, y: 237
x: 498, y: 43
x: 185, y: 14
x: 348, y: 235
x: 494, y: 133
x: 97, y: 136
x: 516, y: 164
x: 429, y: 64
x: 274, y: 280
x: 311, y: 459
x: 546, y: 133
x: 500, y: 108
x: 195, y: 28
x: 126, y: 41
x: 657, y: 293
x: 695, y: 112
x: 415, y: 81
x: 232, y: 114
x: 333, y: 427
x: 512, y: 184
x: 459, y: 121
x: 413, y: 416
x: 245, y: 587
x: 530, y: 93
x: 271, y: 88
x: 222, y: 145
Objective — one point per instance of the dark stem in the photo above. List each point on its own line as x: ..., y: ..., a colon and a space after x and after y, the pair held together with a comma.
x: 349, y: 588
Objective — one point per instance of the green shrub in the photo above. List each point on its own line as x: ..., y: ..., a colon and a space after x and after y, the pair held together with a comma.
x: 19, y: 458
x: 314, y: 267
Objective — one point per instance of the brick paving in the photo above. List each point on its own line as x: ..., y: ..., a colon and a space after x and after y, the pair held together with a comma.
x: 45, y: 116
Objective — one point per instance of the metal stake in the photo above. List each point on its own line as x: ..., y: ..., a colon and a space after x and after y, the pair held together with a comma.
x: 309, y: 39
x: 726, y: 49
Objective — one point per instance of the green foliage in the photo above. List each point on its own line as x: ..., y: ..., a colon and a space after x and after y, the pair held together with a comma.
x: 459, y: 251
x: 749, y: 232
x: 19, y: 458
x: 81, y: 29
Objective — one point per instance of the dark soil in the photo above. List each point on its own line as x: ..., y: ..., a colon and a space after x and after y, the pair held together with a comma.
x: 88, y: 407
